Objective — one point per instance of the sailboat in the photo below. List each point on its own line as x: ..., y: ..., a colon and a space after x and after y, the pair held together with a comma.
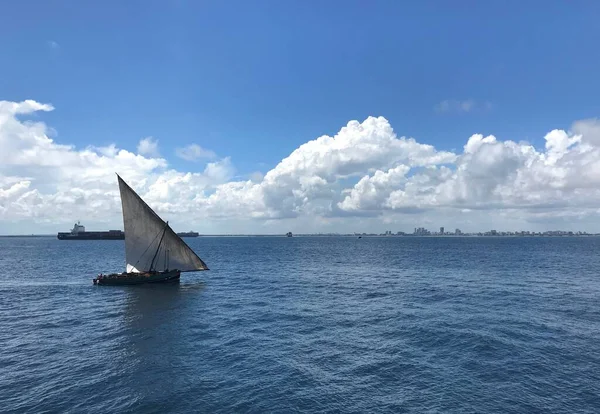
x: 153, y: 251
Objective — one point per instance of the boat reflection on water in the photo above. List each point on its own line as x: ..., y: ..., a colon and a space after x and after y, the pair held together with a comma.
x: 150, y: 306
x: 157, y: 340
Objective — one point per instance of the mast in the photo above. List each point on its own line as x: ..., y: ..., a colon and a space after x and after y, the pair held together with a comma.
x: 166, y: 266
x: 158, y: 248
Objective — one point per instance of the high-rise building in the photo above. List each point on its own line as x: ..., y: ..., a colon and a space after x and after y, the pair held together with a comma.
x: 421, y: 231
x: 441, y: 230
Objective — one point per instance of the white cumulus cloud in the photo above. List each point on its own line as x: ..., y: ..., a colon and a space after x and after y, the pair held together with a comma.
x: 499, y: 177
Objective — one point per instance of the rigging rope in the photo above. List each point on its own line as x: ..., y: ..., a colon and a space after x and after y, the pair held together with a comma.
x: 151, y: 243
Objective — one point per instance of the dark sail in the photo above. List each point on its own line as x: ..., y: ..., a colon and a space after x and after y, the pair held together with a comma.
x: 150, y: 244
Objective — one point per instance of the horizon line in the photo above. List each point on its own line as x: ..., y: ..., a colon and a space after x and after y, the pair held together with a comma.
x: 563, y: 233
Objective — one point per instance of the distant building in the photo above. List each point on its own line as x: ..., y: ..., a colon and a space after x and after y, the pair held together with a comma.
x: 420, y: 231
x: 441, y: 230
x: 457, y: 232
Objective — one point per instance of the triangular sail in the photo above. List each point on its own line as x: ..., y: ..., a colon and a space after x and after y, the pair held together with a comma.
x: 150, y: 244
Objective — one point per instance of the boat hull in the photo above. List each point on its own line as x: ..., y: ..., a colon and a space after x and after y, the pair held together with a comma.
x: 121, y: 279
x: 92, y: 235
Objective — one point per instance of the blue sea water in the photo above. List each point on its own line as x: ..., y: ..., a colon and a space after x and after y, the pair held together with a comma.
x: 306, y: 324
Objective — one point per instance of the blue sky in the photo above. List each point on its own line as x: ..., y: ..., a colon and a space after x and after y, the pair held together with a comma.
x: 254, y: 81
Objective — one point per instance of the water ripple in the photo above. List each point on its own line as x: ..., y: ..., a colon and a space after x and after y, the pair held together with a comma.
x: 305, y: 325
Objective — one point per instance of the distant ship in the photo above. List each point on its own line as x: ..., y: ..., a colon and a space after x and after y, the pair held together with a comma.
x: 288, y: 234
x: 188, y: 234
x: 78, y: 233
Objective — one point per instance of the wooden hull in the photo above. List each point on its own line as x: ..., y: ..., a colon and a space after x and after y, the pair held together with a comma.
x: 121, y: 279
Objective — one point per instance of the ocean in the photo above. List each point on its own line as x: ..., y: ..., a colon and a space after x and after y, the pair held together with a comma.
x: 306, y: 325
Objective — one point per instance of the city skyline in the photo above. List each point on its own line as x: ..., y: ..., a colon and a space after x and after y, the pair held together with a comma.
x: 421, y: 231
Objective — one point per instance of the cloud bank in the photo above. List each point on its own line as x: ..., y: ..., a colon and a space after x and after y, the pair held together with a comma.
x: 363, y: 178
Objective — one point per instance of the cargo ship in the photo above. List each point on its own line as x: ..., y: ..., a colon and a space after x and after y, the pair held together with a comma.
x: 188, y: 234
x: 78, y: 233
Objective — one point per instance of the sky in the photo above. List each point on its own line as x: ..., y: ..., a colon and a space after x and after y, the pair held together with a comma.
x: 276, y: 116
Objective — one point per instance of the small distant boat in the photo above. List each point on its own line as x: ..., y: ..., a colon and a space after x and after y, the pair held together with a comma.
x: 188, y: 234
x: 288, y: 234
x: 153, y: 251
